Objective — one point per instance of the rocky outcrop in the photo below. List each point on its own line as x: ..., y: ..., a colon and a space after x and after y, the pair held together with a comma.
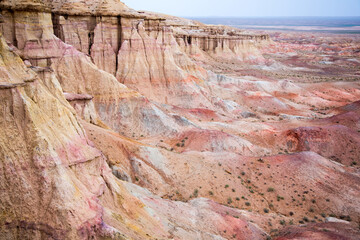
x: 37, y: 44
x: 84, y: 106
x: 40, y: 146
x: 336, y: 142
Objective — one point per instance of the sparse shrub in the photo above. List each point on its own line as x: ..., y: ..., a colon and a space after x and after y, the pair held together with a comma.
x: 226, y: 186
x: 282, y: 222
x: 266, y: 210
x: 196, y: 193
x: 229, y: 200
x: 211, y: 193
x: 243, y: 173
x: 237, y: 199
x: 279, y: 198
x: 247, y: 204
x: 270, y: 189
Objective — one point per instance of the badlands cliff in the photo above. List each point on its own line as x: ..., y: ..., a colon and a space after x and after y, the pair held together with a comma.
x: 119, y: 124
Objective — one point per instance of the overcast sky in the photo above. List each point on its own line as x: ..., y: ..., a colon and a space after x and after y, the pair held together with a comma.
x: 249, y: 8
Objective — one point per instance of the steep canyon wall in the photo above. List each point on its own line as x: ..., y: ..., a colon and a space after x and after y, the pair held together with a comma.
x: 65, y: 64
x: 147, y: 52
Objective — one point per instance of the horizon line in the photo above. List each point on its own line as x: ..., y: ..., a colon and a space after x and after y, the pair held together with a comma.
x: 269, y: 16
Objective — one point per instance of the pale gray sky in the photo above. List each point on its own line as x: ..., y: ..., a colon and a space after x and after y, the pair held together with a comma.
x: 246, y: 8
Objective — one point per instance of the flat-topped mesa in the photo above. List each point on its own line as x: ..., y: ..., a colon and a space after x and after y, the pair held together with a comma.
x: 213, y: 39
x: 98, y: 28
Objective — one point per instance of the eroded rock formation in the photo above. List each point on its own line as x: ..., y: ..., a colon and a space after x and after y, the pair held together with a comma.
x: 113, y: 125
